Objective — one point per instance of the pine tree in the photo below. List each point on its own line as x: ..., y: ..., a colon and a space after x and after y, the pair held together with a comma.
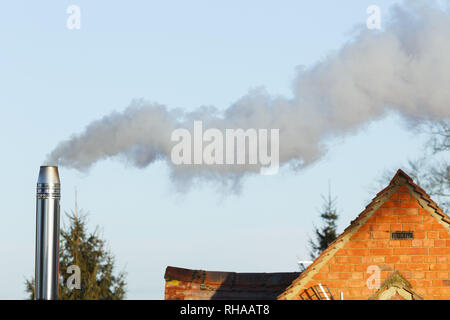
x: 88, y: 252
x: 327, y: 234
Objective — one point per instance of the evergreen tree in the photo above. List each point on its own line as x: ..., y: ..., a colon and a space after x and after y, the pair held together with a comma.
x: 327, y: 234
x: 96, y: 264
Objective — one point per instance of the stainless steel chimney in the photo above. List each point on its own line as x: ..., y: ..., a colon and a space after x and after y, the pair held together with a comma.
x: 47, y: 233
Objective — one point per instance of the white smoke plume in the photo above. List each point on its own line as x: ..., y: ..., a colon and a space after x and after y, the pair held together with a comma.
x: 405, y: 68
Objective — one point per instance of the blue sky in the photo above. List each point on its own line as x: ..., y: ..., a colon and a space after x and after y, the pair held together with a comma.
x: 185, y: 54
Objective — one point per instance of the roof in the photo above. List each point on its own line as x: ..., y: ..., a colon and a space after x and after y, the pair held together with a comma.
x: 400, y: 179
x: 216, y: 285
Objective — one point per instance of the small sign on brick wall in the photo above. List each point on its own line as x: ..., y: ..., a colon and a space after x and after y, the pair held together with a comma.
x: 402, y: 235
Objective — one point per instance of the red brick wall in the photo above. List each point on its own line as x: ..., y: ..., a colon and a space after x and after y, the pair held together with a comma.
x: 423, y: 261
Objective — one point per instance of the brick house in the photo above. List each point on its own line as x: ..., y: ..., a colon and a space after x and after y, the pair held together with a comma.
x: 397, y: 248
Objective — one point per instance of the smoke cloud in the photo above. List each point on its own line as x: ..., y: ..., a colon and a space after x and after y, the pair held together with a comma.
x: 405, y: 68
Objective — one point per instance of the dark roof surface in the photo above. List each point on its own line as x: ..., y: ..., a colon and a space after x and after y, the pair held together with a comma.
x: 215, y: 285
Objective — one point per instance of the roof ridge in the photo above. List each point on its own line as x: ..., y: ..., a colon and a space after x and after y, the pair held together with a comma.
x: 423, y: 194
x: 177, y: 273
x: 401, y: 173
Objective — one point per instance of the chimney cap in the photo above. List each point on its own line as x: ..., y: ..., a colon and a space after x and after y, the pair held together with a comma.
x: 48, y: 174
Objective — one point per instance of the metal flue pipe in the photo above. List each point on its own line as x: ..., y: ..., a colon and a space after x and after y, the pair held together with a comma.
x: 47, y: 233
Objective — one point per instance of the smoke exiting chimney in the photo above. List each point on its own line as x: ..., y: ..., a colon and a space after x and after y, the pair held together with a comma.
x: 403, y: 69
x: 47, y: 233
